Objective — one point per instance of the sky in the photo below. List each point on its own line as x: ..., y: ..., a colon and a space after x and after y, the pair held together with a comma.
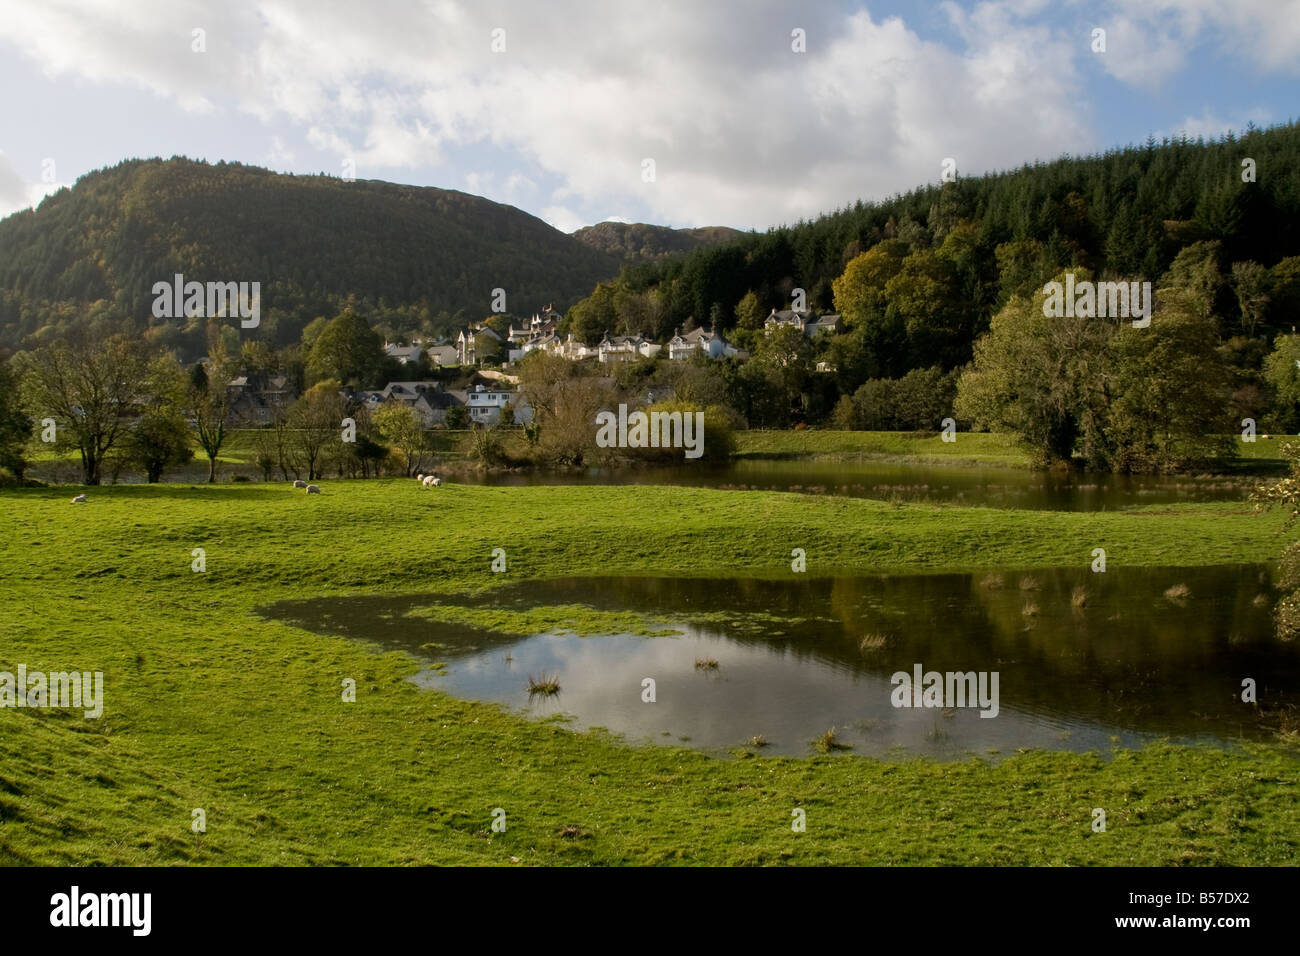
x: 751, y: 113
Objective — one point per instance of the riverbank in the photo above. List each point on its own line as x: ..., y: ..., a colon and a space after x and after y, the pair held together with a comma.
x: 1261, y: 458
x: 210, y: 705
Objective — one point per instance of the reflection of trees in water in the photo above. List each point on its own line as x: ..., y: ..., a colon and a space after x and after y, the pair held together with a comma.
x: 1127, y: 655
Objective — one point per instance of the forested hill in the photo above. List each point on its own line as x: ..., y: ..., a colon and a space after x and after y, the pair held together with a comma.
x: 642, y: 242
x: 972, y: 242
x: 409, y: 256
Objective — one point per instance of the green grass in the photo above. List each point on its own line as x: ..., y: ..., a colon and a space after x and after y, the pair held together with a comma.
x: 1263, y: 456
x: 210, y: 705
x: 970, y: 447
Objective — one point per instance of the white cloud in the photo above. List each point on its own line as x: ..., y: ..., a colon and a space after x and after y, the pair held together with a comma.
x: 744, y: 131
x: 562, y: 218
x: 1210, y: 125
x: 1150, y: 41
x: 279, y: 156
x: 16, y: 193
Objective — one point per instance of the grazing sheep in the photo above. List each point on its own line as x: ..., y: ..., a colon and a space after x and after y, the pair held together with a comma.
x: 437, y: 482
x: 299, y: 483
x: 420, y: 478
x: 80, y: 499
x: 313, y: 489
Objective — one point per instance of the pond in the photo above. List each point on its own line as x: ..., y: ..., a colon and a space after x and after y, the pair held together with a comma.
x: 984, y: 485
x: 1083, y: 661
x: 989, y: 486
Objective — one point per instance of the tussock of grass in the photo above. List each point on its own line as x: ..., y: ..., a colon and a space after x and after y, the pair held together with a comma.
x: 546, y: 685
x: 1079, y: 596
x: 706, y: 663
x: 1030, y: 609
x: 1178, y: 594
x: 1028, y: 583
x: 993, y: 582
x: 830, y: 741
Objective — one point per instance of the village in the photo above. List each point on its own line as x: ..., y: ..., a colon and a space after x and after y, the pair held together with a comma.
x: 489, y: 392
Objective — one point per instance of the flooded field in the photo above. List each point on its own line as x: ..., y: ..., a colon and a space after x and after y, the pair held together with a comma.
x: 1061, y: 659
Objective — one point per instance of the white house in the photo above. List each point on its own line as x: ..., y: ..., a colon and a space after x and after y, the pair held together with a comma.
x: 796, y: 320
x: 803, y: 321
x: 567, y: 348
x: 625, y: 348
x: 704, y: 341
x: 485, y: 404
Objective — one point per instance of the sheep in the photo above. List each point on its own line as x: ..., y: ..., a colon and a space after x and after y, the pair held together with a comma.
x: 313, y: 489
x: 299, y: 483
x: 420, y: 478
x: 437, y: 482
x: 80, y: 499
x: 426, y: 481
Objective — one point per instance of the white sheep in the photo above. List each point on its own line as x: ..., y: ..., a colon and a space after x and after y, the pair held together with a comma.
x: 437, y: 482
x: 299, y: 483
x: 420, y: 478
x: 313, y: 489
x: 426, y: 481
x: 80, y: 499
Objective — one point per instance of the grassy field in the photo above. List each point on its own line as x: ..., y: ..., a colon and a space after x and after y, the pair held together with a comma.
x: 972, y: 447
x: 210, y: 705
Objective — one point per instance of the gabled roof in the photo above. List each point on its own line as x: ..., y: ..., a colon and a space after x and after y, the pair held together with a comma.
x: 622, y: 341
x: 409, y: 390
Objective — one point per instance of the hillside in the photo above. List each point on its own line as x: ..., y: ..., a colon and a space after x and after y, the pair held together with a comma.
x: 1127, y: 212
x: 633, y: 242
x: 406, y: 254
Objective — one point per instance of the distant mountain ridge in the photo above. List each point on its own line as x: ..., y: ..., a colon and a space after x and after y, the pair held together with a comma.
x: 634, y: 242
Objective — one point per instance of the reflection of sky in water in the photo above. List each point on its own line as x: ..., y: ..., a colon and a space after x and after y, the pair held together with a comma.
x: 756, y: 690
x: 1130, y: 663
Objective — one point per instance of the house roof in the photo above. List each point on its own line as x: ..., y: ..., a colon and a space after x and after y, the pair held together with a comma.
x: 409, y: 390
x: 622, y: 341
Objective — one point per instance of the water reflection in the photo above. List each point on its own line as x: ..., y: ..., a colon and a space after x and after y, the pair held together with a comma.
x: 1084, y: 660
x: 983, y: 485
